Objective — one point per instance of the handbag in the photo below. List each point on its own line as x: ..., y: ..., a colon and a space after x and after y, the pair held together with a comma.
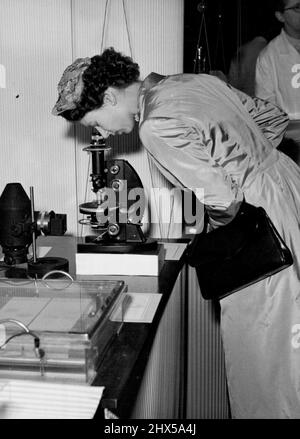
x: 238, y: 254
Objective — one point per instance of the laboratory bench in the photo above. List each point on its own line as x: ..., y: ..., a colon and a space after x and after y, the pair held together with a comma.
x: 143, y: 371
x: 124, y: 366
x: 171, y: 368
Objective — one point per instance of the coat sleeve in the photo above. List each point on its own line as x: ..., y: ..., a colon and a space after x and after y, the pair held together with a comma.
x: 270, y: 118
x: 181, y: 156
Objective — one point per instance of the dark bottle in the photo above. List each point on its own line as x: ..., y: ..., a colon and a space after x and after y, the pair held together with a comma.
x: 198, y: 61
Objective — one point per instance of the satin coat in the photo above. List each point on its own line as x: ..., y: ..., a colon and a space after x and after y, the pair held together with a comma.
x: 202, y: 133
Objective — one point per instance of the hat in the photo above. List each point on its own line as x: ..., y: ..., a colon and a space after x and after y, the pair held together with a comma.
x: 70, y: 86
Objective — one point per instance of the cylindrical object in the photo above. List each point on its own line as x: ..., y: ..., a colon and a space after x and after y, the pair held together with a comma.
x: 43, y: 265
x: 98, y: 161
x: 15, y: 224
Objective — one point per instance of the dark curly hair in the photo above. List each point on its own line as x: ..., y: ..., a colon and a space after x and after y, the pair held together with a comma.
x: 111, y: 68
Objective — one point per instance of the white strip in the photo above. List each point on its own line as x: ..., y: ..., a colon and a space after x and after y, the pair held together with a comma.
x: 2, y: 334
x: 20, y: 399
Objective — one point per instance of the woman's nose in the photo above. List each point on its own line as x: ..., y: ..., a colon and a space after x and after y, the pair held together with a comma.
x: 103, y: 132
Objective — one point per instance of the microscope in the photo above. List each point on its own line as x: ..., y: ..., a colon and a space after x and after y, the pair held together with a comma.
x: 20, y: 225
x: 115, y: 214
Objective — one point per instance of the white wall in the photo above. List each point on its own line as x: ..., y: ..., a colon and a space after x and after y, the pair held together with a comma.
x: 34, y: 40
x: 38, y: 39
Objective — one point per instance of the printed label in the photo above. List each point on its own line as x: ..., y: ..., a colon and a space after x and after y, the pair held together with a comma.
x: 296, y: 338
x: 296, y: 78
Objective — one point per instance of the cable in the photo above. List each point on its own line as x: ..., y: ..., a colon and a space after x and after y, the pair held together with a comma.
x: 57, y: 272
x: 17, y: 322
x: 202, y: 6
x: 220, y: 44
x: 18, y: 334
x: 239, y: 31
x: 80, y: 232
x: 104, y: 25
x: 40, y: 353
x: 127, y: 29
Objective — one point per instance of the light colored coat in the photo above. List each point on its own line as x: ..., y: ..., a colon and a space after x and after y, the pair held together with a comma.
x: 202, y: 133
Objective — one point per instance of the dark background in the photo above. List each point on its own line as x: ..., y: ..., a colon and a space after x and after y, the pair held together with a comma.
x: 229, y: 23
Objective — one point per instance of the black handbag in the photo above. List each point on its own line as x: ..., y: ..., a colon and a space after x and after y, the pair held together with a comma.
x: 239, y: 254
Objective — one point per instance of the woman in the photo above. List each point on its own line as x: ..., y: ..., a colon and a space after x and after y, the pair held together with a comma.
x: 202, y: 133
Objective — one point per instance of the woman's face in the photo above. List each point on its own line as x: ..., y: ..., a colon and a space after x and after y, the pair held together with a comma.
x: 116, y: 116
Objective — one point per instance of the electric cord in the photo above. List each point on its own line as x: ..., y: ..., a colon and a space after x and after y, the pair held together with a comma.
x: 52, y: 287
x: 40, y: 353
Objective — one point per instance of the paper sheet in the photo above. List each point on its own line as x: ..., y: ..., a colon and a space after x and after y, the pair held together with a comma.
x: 60, y: 314
x: 140, y: 308
x: 22, y: 399
x: 41, y: 251
x: 174, y: 251
x: 24, y: 309
x: 46, y: 314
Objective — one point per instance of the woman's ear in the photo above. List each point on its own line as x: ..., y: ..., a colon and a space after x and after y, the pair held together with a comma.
x: 109, y: 97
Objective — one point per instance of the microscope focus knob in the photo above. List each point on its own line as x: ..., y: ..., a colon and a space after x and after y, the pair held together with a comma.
x: 114, y: 169
x: 117, y: 185
x: 113, y: 229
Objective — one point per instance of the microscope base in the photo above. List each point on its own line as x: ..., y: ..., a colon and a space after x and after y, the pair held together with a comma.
x: 117, y: 247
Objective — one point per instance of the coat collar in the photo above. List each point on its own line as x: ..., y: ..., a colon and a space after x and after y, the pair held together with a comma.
x: 150, y: 81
